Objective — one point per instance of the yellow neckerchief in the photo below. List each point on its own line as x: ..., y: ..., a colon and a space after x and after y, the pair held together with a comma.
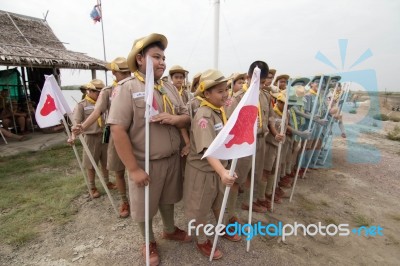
x: 159, y: 87
x: 204, y: 102
x: 199, y: 98
x: 115, y: 83
x: 259, y: 115
x: 180, y: 91
x: 90, y: 100
x: 313, y: 92
x: 245, y: 87
x: 277, y: 111
x: 296, y: 126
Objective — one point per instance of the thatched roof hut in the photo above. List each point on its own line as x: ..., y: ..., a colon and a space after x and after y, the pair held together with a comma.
x: 30, y: 42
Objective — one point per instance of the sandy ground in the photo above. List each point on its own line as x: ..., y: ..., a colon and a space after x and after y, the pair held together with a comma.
x: 361, y: 183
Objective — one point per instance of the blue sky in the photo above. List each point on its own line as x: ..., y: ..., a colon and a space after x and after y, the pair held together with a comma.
x: 286, y: 34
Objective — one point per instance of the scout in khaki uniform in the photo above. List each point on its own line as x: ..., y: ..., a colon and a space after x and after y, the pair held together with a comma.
x: 127, y: 122
x: 93, y: 134
x: 120, y: 70
x: 243, y: 168
x: 194, y: 103
x: 236, y: 93
x: 281, y: 81
x: 310, y: 98
x: 205, y: 179
x: 271, y: 149
x: 178, y: 75
x: 268, y: 83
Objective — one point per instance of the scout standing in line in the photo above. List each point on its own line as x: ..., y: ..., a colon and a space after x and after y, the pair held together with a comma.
x: 205, y: 179
x: 127, y: 122
x: 120, y: 70
x: 281, y: 81
x: 93, y: 135
x: 178, y: 75
x: 268, y: 83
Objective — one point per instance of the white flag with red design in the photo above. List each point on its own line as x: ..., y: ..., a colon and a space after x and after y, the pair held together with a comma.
x: 52, y: 104
x: 149, y: 89
x: 238, y: 137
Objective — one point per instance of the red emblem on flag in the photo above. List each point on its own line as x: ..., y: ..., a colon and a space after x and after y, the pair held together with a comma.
x: 49, y: 106
x: 243, y: 129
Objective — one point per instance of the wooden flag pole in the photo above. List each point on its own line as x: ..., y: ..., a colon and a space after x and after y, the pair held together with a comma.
x: 305, y: 142
x: 222, y: 211
x: 278, y: 157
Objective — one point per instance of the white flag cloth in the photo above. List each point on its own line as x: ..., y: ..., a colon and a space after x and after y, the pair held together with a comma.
x: 149, y: 88
x: 238, y: 137
x: 52, y: 104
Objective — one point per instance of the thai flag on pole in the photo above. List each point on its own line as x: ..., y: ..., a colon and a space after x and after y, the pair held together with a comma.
x: 52, y: 104
x: 95, y: 13
x: 149, y: 88
x: 238, y: 137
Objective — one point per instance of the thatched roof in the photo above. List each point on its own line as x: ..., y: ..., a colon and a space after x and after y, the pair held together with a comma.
x: 30, y: 42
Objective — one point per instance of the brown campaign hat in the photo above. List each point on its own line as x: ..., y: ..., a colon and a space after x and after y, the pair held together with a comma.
x: 94, y: 84
x: 119, y: 64
x: 177, y: 69
x: 283, y: 76
x: 142, y: 43
x: 209, y: 79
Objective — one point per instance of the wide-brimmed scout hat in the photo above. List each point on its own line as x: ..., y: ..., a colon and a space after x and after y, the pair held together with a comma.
x: 318, y: 77
x: 279, y: 96
x: 94, y: 84
x: 119, y: 64
x: 209, y: 79
x: 304, y: 81
x: 296, y: 94
x: 177, y: 69
x: 140, y: 44
x: 195, y: 82
x: 272, y: 71
x: 283, y: 76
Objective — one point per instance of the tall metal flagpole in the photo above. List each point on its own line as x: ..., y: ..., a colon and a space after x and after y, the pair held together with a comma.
x: 216, y: 33
x: 102, y: 32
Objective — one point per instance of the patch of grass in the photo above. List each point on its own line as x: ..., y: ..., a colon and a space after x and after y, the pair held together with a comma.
x: 353, y: 111
x: 394, y: 134
x: 395, y: 217
x: 324, y: 203
x: 329, y: 220
x: 34, y: 188
x: 306, y: 204
x: 395, y: 119
x: 361, y: 220
x: 381, y: 117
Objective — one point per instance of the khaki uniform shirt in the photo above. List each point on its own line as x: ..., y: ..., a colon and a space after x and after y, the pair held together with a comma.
x: 277, y: 118
x: 128, y: 110
x: 82, y: 111
x: 233, y: 101
x: 266, y: 112
x: 206, y: 124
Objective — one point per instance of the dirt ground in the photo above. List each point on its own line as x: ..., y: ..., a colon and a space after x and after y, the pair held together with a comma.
x: 361, y: 186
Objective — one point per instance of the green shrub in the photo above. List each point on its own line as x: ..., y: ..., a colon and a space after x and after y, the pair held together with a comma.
x: 394, y: 134
x: 381, y: 117
x: 395, y: 119
x: 353, y: 111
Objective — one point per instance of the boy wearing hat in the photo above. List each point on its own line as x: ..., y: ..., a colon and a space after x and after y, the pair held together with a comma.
x: 127, y: 120
x: 268, y: 83
x: 236, y: 93
x: 93, y: 135
x: 205, y: 179
x: 119, y: 68
x: 281, y: 81
x: 264, y: 126
x: 178, y: 75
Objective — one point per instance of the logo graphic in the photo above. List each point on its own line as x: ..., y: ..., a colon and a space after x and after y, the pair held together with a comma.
x: 357, y: 152
x: 242, y: 131
x: 49, y: 106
